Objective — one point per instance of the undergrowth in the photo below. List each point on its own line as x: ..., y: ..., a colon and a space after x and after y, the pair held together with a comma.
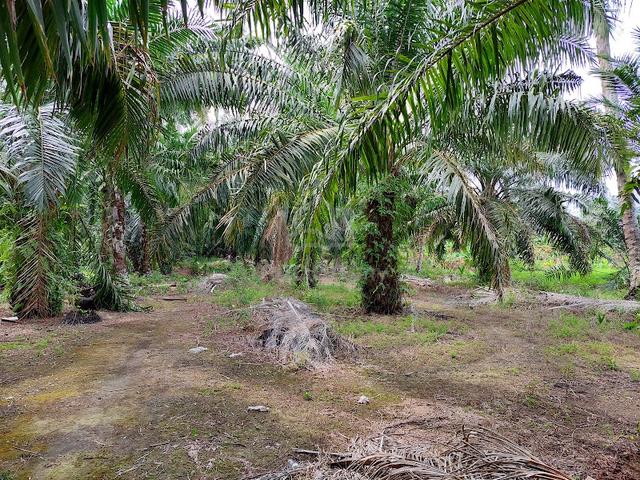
x: 409, y: 330
x: 244, y: 288
x: 456, y: 268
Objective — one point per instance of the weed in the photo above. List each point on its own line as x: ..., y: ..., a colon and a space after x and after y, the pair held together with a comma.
x: 596, y: 284
x: 329, y: 296
x: 307, y: 396
x: 42, y: 344
x: 632, y: 325
x: 508, y: 300
x: 244, y: 288
x: 208, y: 328
x: 634, y: 375
x: 13, y: 345
x: 409, y: 330
x: 227, y: 386
x: 570, y: 326
x: 599, y: 354
x: 532, y: 394
x: 564, y: 349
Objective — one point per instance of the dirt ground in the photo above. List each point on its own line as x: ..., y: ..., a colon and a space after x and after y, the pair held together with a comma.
x: 124, y: 398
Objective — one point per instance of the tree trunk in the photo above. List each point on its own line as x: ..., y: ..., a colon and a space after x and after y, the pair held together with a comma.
x: 381, y: 286
x: 113, y: 246
x: 420, y: 253
x: 145, y: 254
x: 629, y: 216
x: 337, y: 264
x: 277, y: 237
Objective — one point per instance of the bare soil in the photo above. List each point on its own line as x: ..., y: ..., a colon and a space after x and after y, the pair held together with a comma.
x: 124, y: 398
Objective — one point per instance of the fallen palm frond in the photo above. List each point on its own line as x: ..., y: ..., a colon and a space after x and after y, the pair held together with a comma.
x: 475, y: 454
x: 81, y: 317
x: 209, y: 284
x: 296, y: 334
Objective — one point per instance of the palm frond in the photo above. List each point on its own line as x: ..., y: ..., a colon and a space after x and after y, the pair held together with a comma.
x: 475, y: 221
x: 42, y: 151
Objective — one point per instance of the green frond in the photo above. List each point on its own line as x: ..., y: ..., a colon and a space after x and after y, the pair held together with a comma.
x: 42, y: 151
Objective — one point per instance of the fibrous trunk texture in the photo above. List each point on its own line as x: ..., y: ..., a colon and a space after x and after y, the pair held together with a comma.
x: 113, y: 245
x: 145, y: 260
x: 276, y: 235
x: 381, y: 287
x: 420, y: 253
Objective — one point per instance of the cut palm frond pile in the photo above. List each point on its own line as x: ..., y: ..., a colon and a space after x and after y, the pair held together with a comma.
x: 209, y: 284
x: 475, y: 454
x: 81, y: 317
x: 291, y: 330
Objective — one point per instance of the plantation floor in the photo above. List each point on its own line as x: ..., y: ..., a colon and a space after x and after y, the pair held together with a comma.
x: 125, y: 399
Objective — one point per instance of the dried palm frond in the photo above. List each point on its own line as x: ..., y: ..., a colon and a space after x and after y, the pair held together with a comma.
x: 297, y: 334
x: 475, y: 454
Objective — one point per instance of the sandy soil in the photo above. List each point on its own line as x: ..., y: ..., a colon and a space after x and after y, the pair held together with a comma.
x: 125, y: 399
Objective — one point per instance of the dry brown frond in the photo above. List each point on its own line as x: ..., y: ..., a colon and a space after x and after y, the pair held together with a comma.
x: 475, y: 454
x: 297, y: 334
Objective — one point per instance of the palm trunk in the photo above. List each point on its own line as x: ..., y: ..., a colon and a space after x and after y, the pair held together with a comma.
x: 629, y: 216
x: 420, y: 253
x: 337, y: 264
x: 145, y: 260
x: 381, y: 286
x: 113, y: 246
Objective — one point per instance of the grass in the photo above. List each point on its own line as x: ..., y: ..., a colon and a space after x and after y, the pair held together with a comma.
x: 5, y: 346
x: 39, y: 345
x: 570, y: 326
x: 327, y: 297
x: 156, y: 283
x: 407, y: 330
x: 244, y: 287
x: 456, y: 268
x: 596, y: 284
x: 598, y: 354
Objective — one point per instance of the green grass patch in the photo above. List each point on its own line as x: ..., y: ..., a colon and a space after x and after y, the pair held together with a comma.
x: 156, y: 283
x: 409, y: 330
x: 597, y: 284
x: 206, y: 265
x: 330, y: 296
x: 570, y: 326
x: 457, y: 268
x: 244, y: 287
x: 598, y: 354
x: 39, y: 345
x: 17, y: 345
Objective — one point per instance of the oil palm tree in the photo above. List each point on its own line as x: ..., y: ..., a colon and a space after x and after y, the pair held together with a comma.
x: 40, y: 156
x: 401, y: 77
x: 443, y: 57
x: 620, y: 79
